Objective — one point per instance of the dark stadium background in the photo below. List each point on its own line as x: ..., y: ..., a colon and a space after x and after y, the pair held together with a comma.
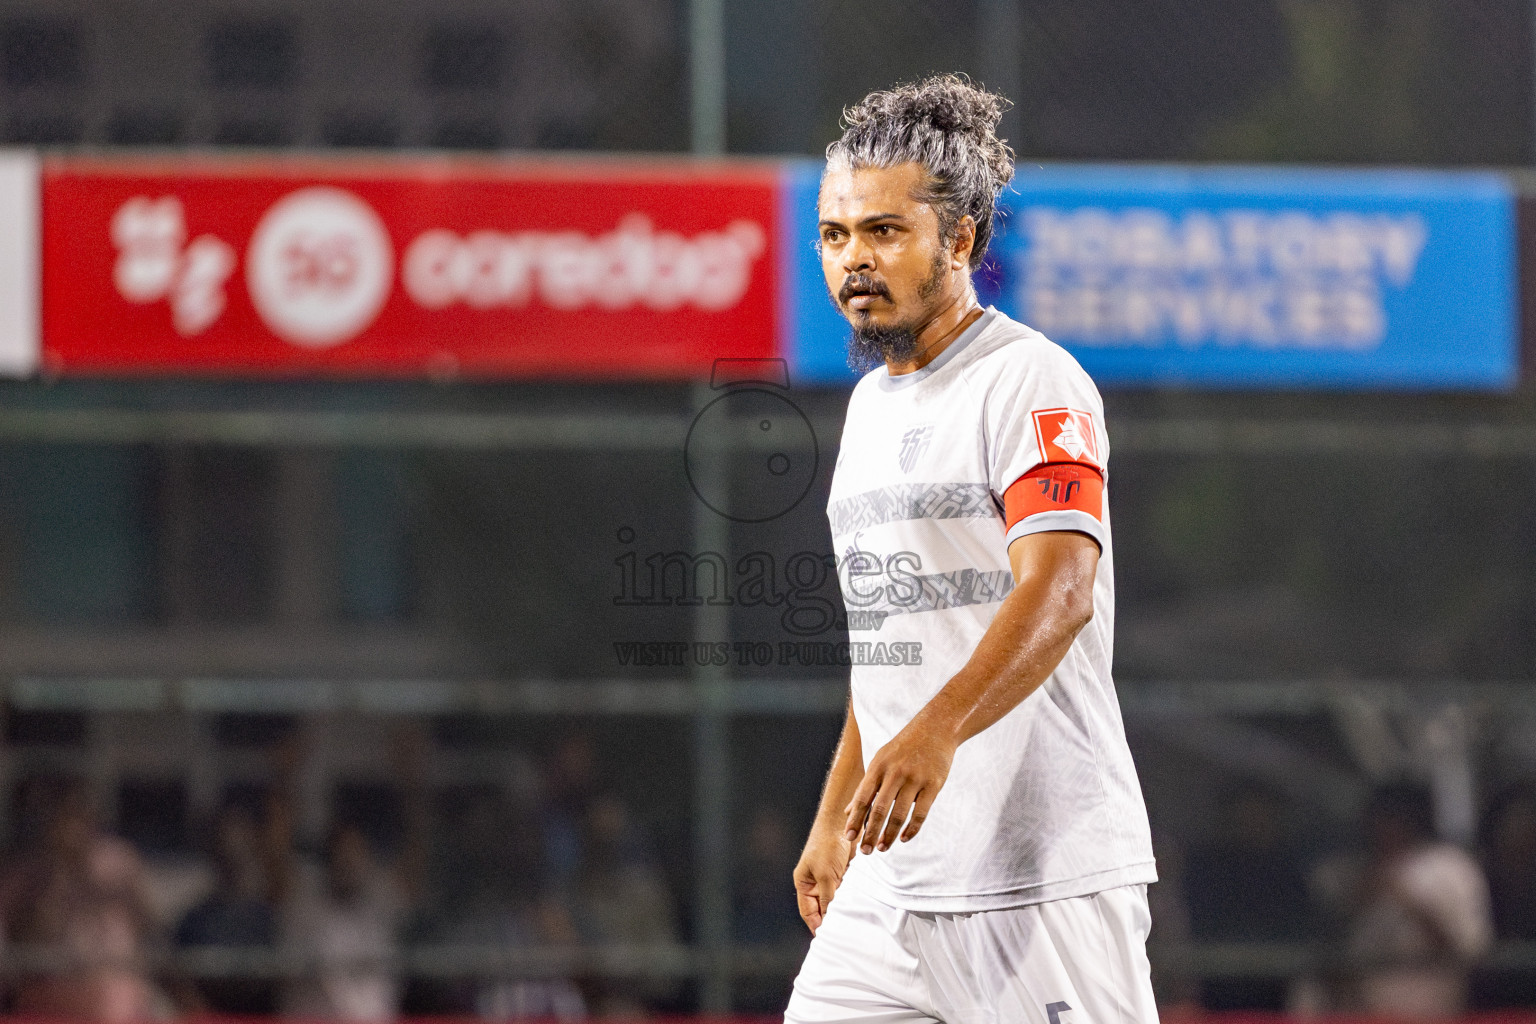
x: 217, y: 589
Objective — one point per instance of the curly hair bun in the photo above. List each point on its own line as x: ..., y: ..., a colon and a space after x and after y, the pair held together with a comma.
x: 947, y: 124
x: 948, y: 102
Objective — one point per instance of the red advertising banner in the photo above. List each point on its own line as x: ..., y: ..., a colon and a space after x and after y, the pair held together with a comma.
x: 404, y: 268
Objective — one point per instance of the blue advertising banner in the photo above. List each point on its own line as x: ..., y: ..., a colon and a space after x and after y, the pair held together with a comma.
x: 1235, y: 277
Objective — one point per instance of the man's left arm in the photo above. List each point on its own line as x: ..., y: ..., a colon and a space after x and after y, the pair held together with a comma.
x: 1051, y: 602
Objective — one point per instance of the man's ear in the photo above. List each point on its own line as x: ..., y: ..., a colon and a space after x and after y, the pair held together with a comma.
x: 965, y: 241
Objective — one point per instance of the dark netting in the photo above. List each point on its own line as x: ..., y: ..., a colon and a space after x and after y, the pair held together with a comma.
x: 1357, y: 81
x: 530, y: 74
x: 1311, y: 80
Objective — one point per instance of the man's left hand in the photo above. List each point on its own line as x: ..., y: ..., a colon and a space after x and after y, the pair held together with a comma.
x: 903, y: 779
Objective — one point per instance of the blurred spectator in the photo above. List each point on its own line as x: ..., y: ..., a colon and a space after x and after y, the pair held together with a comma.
x: 1421, y: 913
x: 765, y: 911
x: 80, y: 895
x: 343, y: 922
x: 570, y: 786
x: 1252, y: 888
x: 1509, y: 848
x: 620, y: 899
x: 343, y: 918
x: 1509, y: 857
x: 489, y: 895
x: 238, y: 914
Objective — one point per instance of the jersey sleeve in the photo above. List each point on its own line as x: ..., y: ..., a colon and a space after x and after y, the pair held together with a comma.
x: 1047, y: 447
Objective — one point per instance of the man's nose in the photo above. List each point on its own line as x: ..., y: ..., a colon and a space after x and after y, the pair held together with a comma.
x: 858, y: 256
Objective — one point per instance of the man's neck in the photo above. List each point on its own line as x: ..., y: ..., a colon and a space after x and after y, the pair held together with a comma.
x: 940, y: 332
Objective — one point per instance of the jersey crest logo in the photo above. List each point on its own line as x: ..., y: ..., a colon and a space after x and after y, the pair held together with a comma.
x: 1066, y: 435
x: 913, y: 444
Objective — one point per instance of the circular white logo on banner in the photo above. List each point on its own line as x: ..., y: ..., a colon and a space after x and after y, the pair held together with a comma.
x: 319, y: 267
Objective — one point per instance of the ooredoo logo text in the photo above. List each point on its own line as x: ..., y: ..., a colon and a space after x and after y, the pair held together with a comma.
x: 633, y: 265
x: 321, y: 265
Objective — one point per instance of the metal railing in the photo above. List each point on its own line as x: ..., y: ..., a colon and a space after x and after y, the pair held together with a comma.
x: 1246, y: 434
x: 669, y: 961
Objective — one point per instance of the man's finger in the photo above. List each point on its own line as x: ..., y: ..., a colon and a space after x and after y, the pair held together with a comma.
x: 879, y: 808
x: 826, y: 888
x: 810, y: 910
x: 858, y: 808
x: 920, y: 808
x: 899, y: 810
x: 824, y: 893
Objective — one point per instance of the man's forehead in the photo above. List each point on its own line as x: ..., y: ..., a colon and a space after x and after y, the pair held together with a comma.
x: 848, y: 194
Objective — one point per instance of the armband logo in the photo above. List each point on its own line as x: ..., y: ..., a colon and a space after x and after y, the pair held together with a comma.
x: 1055, y: 487
x: 1066, y: 435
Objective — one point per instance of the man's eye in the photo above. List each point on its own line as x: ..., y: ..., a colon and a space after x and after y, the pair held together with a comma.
x: 884, y: 230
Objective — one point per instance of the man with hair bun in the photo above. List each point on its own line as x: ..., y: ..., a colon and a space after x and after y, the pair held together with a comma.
x: 986, y: 781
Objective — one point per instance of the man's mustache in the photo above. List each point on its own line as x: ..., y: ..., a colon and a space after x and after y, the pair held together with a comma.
x: 861, y: 284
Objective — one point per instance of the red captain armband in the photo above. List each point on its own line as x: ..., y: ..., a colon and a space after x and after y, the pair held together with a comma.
x: 1055, y: 487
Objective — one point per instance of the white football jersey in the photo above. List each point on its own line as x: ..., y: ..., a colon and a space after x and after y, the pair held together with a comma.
x: 939, y: 470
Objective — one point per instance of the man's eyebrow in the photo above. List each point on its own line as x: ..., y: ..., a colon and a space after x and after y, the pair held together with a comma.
x: 873, y: 218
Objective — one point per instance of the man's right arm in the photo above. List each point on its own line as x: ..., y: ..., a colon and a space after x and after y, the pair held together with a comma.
x: 827, y: 853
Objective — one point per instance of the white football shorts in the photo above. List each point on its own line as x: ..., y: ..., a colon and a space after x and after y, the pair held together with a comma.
x: 1071, y: 961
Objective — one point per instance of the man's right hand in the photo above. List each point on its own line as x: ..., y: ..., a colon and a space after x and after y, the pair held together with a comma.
x: 820, y: 871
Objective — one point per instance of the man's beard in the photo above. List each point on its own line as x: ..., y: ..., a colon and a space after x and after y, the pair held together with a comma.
x: 871, y: 344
